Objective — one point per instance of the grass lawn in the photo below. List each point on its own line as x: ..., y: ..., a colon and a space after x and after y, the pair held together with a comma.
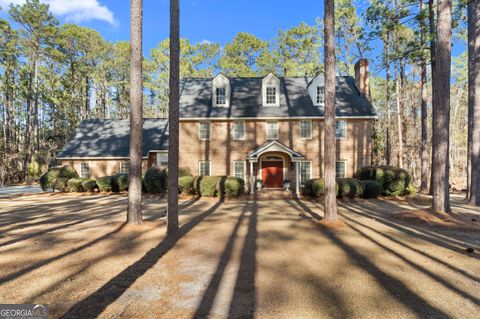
x: 245, y: 259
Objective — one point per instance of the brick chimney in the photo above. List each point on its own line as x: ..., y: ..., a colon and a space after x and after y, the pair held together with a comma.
x: 361, y: 77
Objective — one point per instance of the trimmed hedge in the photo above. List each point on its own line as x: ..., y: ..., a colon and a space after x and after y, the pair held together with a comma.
x: 120, y: 182
x: 156, y: 180
x: 371, y: 189
x: 349, y: 187
x: 75, y: 184
x: 234, y: 187
x: 394, y: 180
x: 57, y: 177
x: 314, y: 187
x: 196, y: 184
x: 105, y: 183
x: 209, y: 185
x: 89, y: 185
x: 185, y: 185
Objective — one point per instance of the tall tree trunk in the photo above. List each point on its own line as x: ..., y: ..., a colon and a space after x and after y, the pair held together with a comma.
x: 87, y: 96
x: 432, y: 36
x: 388, y: 154
x: 173, y: 114
x: 424, y: 113
x: 134, y: 214
x: 441, y: 118
x: 36, y: 130
x: 330, y: 199
x: 475, y: 155
x: 471, y: 88
x: 399, y: 117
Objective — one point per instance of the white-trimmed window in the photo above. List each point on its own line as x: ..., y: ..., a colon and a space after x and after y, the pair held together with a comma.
x: 221, y: 96
x: 305, y: 172
x: 306, y: 129
x: 341, y: 129
x: 341, y: 169
x: 204, y: 131
x: 204, y: 168
x: 271, y: 95
x: 84, y: 170
x: 239, y: 130
x: 320, y: 95
x: 162, y: 159
x: 239, y: 169
x: 124, y: 167
x: 272, y: 130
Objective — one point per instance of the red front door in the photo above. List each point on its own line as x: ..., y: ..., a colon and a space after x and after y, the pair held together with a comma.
x: 272, y: 174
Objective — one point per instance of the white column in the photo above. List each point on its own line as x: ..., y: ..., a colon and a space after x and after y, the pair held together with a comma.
x: 297, y: 179
x: 252, y: 179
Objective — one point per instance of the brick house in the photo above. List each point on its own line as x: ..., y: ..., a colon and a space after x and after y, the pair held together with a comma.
x: 254, y: 128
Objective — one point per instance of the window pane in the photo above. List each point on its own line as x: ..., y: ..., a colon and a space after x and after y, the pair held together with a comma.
x: 306, y: 129
x: 304, y: 172
x: 341, y: 131
x: 124, y: 167
x: 204, y: 131
x: 239, y: 169
x: 221, y: 96
x: 320, y: 95
x: 271, y: 95
x: 272, y: 130
x: 239, y: 130
x: 204, y: 168
x: 341, y: 169
x: 162, y: 159
x: 84, y: 170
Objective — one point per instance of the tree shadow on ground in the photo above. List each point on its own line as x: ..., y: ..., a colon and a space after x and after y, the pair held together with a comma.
x: 94, y: 304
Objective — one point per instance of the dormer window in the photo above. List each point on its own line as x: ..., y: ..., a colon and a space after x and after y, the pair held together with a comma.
x: 271, y: 95
x: 271, y: 90
x: 221, y: 91
x: 221, y: 96
x: 320, y: 95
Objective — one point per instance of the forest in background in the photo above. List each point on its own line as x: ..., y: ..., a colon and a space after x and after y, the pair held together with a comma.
x: 53, y: 76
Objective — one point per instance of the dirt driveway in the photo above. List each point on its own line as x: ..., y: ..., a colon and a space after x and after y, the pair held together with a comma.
x: 262, y: 259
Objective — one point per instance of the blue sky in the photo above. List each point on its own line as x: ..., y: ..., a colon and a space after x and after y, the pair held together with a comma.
x: 210, y: 20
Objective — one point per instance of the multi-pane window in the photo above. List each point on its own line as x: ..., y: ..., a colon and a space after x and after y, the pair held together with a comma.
x: 239, y: 130
x: 124, y: 168
x: 204, y: 168
x: 271, y: 95
x: 162, y: 159
x: 306, y: 129
x: 341, y: 131
x: 239, y: 169
x: 272, y: 131
x: 204, y: 130
x: 84, y: 170
x: 305, y: 171
x: 320, y: 95
x: 341, y: 169
x: 221, y: 98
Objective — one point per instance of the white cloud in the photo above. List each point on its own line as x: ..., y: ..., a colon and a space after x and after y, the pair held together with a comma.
x: 73, y: 10
x: 206, y: 42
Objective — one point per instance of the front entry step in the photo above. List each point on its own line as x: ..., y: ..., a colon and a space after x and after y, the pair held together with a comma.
x: 275, y: 194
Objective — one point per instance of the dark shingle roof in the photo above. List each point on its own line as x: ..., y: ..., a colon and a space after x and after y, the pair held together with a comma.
x: 246, y: 99
x: 111, y: 138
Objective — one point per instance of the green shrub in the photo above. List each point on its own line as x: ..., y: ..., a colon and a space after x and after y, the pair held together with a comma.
x: 234, y: 187
x: 209, y: 185
x: 371, y: 189
x: 184, y: 171
x: 394, y: 180
x: 314, y: 187
x: 75, y: 184
x: 349, y: 187
x: 120, y: 183
x: 185, y: 185
x: 61, y: 184
x: 68, y: 172
x: 47, y: 180
x: 196, y: 184
x: 105, y: 183
x: 156, y: 180
x: 89, y: 185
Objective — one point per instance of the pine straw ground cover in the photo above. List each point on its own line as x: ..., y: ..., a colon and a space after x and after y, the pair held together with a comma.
x: 263, y: 259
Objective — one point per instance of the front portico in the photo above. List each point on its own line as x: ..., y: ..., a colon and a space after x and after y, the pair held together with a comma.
x: 273, y: 162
